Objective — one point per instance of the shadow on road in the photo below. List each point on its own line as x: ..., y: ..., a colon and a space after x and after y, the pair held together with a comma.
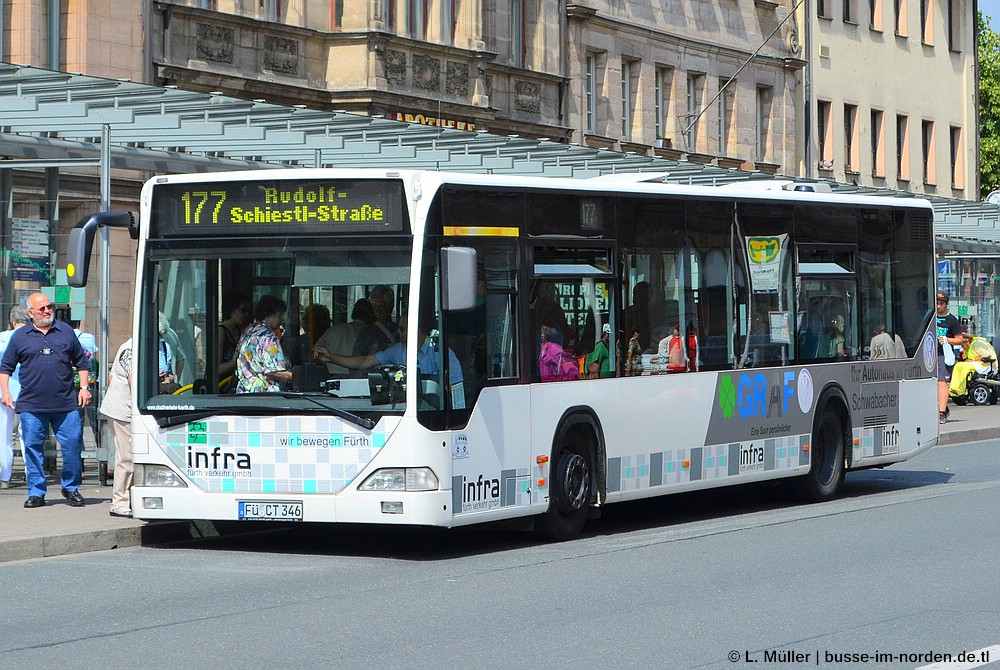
x: 432, y: 544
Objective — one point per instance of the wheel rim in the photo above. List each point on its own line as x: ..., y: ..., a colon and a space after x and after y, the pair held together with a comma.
x: 980, y: 395
x: 574, y: 483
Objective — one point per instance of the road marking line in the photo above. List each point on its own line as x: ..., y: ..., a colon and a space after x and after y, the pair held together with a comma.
x: 991, y: 654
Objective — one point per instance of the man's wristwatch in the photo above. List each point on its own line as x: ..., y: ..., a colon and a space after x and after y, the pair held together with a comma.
x: 84, y: 388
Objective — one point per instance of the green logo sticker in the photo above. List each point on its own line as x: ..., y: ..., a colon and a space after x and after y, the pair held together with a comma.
x: 727, y: 397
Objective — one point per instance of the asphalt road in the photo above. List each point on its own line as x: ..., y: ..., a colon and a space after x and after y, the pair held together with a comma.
x: 903, y: 563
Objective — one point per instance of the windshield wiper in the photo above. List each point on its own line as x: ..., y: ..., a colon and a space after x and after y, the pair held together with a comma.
x: 362, y: 421
x: 183, y: 417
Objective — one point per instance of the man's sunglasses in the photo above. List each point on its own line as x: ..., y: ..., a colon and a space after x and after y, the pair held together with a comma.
x: 44, y: 308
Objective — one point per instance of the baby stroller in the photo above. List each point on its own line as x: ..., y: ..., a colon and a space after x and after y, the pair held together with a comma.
x: 976, y: 379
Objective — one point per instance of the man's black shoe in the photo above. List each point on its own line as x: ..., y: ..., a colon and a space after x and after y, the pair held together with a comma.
x: 74, y: 498
x: 34, y: 501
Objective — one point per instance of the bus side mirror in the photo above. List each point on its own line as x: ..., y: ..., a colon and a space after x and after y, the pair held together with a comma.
x: 81, y: 242
x: 458, y: 278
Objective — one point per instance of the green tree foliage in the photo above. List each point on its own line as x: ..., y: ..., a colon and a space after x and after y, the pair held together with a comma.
x: 989, y: 107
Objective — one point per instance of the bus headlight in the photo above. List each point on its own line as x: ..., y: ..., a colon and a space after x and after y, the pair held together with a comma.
x: 157, y: 475
x: 401, y: 479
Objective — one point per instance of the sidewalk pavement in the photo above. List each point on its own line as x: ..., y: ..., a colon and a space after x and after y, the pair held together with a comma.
x: 58, y: 529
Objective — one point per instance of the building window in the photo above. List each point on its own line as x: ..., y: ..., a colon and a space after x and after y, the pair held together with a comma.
x: 591, y: 91
x: 337, y: 15
x: 926, y: 21
x: 850, y: 14
x: 489, y: 24
x: 724, y: 109
x: 957, y: 162
x: 902, y: 147
x: 875, y: 15
x: 927, y: 146
x: 518, y: 32
x: 900, y: 6
x: 724, y: 116
x: 823, y: 134
x: 850, y: 138
x: 878, y: 143
x: 416, y: 19
x: 695, y: 86
x: 661, y: 102
x: 447, y: 21
x: 627, y: 99
x: 954, y: 25
x: 765, y: 95
x: 822, y: 9
x: 270, y: 10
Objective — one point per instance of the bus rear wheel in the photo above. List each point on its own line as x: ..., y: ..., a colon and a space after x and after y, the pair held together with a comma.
x: 826, y: 470
x: 569, y: 494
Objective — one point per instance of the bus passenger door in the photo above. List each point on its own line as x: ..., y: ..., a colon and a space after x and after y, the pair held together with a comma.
x: 572, y: 315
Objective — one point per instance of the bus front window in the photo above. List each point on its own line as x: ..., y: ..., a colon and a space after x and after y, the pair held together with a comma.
x: 206, y: 327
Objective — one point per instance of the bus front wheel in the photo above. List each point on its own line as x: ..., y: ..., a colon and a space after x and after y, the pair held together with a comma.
x: 569, y: 494
x: 826, y: 471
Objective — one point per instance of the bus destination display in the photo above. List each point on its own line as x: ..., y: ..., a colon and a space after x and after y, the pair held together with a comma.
x: 282, y: 207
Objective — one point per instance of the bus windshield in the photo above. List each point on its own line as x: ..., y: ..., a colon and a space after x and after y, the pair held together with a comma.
x: 234, y: 326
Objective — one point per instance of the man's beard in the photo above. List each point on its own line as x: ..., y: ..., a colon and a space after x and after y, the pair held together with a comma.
x: 44, y: 321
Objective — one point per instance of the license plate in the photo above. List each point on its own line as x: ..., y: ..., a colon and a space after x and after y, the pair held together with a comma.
x: 270, y: 510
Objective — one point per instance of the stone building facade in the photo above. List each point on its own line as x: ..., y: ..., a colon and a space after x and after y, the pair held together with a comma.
x: 716, y: 81
x: 894, y: 95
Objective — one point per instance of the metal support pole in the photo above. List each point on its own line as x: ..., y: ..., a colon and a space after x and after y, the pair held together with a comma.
x: 6, y: 212
x: 105, y: 302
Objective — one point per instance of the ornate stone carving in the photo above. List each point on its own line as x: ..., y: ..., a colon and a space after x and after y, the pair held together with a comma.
x: 527, y: 97
x: 457, y: 79
x: 215, y: 43
x: 426, y: 72
x: 281, y: 55
x: 395, y: 67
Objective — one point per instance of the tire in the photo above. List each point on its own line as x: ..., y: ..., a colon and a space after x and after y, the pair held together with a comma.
x: 830, y: 440
x: 569, y: 491
x: 980, y: 394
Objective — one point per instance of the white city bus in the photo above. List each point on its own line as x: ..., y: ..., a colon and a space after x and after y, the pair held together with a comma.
x: 737, y: 321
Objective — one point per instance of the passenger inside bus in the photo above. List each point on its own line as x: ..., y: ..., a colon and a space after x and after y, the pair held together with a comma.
x: 545, y: 311
x: 598, y: 362
x: 383, y: 301
x: 361, y: 336
x: 835, y: 339
x: 235, y: 311
x: 315, y: 321
x: 692, y: 348
x: 428, y: 360
x: 670, y: 353
x: 170, y: 365
x: 554, y: 363
x: 882, y: 345
x: 260, y: 361
x: 637, y: 314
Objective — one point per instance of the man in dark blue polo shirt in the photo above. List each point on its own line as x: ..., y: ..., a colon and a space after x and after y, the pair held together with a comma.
x: 47, y: 351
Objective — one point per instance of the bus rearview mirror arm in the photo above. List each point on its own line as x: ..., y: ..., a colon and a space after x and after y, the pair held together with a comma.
x: 81, y: 241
